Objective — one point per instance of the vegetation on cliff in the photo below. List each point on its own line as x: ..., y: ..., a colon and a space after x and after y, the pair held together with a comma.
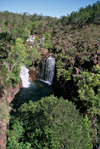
x: 75, y: 42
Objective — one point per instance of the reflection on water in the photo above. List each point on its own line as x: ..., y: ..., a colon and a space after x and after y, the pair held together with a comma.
x: 35, y: 92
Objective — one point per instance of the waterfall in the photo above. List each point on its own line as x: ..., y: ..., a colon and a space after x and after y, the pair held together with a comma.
x: 48, y: 69
x: 24, y: 74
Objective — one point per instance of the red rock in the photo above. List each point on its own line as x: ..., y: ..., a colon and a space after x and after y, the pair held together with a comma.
x: 9, y: 96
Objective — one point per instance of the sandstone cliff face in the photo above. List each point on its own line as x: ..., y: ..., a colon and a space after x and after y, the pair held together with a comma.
x: 4, y: 112
x: 33, y: 74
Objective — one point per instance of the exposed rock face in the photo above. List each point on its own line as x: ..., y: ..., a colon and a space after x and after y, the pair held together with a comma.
x: 3, y: 127
x: 31, y: 39
x: 43, y: 51
x: 33, y: 74
x: 4, y: 109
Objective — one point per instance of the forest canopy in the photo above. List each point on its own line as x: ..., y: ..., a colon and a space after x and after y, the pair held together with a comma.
x: 50, y: 123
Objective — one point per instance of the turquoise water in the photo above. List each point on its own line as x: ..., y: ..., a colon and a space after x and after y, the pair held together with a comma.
x: 35, y: 92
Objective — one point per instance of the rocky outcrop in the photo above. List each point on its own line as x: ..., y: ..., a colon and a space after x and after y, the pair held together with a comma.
x: 3, y: 127
x: 4, y: 112
x: 33, y: 74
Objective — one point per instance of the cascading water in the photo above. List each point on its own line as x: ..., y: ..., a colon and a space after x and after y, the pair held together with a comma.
x: 48, y: 69
x: 24, y: 75
x: 37, y: 89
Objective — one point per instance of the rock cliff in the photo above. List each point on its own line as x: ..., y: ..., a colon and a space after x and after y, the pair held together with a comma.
x: 4, y: 113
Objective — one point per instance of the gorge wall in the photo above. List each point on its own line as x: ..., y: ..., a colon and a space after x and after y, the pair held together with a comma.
x: 4, y: 113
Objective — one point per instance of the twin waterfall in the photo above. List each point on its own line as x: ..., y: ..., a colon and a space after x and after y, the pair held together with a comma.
x: 24, y: 75
x: 47, y: 71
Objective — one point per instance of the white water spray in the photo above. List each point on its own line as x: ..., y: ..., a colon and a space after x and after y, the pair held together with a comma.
x: 48, y: 69
x: 24, y: 75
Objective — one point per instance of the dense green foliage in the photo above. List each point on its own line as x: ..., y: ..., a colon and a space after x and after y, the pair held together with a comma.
x: 75, y: 42
x: 89, y: 89
x: 14, y: 54
x: 50, y: 123
x: 85, y: 16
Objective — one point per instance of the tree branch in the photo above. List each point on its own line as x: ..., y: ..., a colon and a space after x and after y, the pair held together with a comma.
x: 11, y: 70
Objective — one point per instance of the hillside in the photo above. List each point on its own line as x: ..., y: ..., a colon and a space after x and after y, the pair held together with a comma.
x: 74, y: 41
